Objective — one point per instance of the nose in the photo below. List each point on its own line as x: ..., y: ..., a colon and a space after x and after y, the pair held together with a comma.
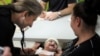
x: 30, y: 25
x: 52, y: 42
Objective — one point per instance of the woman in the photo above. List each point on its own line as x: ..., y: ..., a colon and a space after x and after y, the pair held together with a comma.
x: 22, y: 13
x: 83, y: 23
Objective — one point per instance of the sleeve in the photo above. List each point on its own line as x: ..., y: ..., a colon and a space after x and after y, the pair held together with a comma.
x: 16, y: 51
x: 71, y: 1
x: 35, y: 55
x: 14, y: 1
x: 45, y: 0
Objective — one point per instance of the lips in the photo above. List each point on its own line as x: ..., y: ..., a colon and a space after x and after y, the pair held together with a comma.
x: 52, y: 46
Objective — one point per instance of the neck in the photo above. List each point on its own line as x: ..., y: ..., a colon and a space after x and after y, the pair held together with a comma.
x: 13, y: 18
x: 84, y: 36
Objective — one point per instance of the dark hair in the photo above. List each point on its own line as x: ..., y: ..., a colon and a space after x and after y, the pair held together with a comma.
x: 88, y: 11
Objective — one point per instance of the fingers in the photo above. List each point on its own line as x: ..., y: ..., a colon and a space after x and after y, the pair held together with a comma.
x: 36, y: 45
x: 43, y: 14
x: 28, y: 51
x: 51, y: 16
x: 59, y: 52
x: 48, y: 16
x: 7, y: 52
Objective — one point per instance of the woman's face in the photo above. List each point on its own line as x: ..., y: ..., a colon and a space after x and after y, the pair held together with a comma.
x: 26, y: 21
x: 73, y: 22
x: 51, y: 45
x: 76, y: 24
x: 23, y: 20
x: 29, y: 21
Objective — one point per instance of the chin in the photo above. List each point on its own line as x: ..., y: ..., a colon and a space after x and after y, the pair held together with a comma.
x: 52, y: 49
x: 20, y: 26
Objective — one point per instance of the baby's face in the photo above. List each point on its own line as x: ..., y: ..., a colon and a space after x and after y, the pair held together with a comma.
x: 51, y: 45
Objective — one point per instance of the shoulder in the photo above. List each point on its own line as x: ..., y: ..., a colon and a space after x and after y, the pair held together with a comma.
x: 4, y: 10
x: 96, y: 38
x: 45, y: 0
x: 96, y: 44
x: 72, y: 1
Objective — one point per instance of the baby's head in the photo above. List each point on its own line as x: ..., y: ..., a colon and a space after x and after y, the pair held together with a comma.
x: 51, y: 44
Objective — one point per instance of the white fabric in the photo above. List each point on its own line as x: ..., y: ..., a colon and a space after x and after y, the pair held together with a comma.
x: 41, y: 51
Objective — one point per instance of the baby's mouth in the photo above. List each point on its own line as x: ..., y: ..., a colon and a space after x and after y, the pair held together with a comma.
x: 52, y: 46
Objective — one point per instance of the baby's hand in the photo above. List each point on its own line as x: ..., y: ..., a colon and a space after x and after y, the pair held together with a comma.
x: 58, y: 52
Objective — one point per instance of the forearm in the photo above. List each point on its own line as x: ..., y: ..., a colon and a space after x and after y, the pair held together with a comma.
x: 68, y: 10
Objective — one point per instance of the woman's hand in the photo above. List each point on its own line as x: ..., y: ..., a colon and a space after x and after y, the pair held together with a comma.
x: 51, y: 16
x: 31, y: 51
x: 43, y: 14
x: 7, y: 52
x: 28, y: 51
